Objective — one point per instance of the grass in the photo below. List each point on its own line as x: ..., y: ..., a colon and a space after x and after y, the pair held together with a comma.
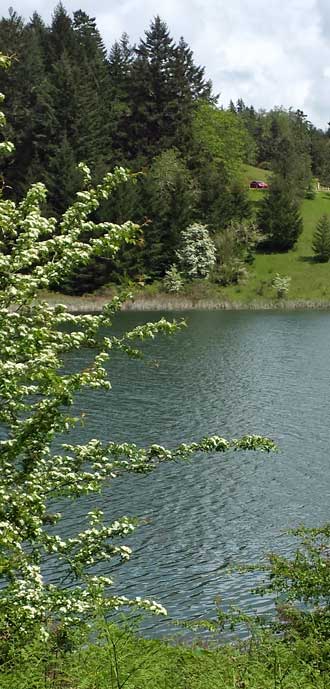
x: 123, y: 659
x: 310, y: 281
x: 250, y: 172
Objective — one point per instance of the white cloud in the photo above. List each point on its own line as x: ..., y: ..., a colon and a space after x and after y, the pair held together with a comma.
x: 273, y: 53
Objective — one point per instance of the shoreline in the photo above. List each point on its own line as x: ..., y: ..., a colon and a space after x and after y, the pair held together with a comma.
x: 95, y: 304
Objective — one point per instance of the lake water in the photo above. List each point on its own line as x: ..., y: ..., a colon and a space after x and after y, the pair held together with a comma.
x: 228, y: 373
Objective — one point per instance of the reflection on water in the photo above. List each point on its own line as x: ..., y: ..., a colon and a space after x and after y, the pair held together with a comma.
x: 229, y: 374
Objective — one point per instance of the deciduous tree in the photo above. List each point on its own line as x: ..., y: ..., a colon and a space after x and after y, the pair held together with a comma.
x: 35, y: 400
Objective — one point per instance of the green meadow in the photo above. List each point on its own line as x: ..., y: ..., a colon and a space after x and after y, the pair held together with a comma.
x: 310, y: 280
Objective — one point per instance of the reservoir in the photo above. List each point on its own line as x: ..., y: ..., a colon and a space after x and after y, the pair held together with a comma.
x: 227, y: 373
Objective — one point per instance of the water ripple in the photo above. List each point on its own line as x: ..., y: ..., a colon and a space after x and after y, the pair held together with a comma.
x: 228, y: 373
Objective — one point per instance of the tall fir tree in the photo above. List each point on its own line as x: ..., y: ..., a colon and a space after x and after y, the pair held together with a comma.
x: 152, y: 122
x: 40, y: 137
x: 171, y: 196
x: 93, y: 131
x: 120, y: 62
x: 279, y: 218
x: 165, y: 85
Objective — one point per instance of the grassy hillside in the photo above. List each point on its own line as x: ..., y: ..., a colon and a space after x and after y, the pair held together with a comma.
x: 250, y: 172
x: 309, y: 280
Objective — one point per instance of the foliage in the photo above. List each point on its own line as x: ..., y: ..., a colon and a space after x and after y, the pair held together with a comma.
x: 278, y: 217
x: 321, y: 239
x: 291, y: 159
x: 296, y: 655
x: 218, y: 136
x: 173, y: 281
x: 221, y: 201
x: 147, y: 106
x: 70, y: 99
x: 36, y: 395
x: 235, y: 246
x: 67, y: 101
x: 301, y: 585
x: 310, y: 192
x: 197, y: 252
x: 281, y: 284
x: 125, y: 659
x: 161, y: 70
x: 171, y: 195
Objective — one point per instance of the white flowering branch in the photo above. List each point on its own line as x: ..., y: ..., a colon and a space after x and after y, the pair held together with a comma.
x: 35, y: 399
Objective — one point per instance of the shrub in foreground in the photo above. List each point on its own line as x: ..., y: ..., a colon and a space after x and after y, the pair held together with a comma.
x: 36, y: 396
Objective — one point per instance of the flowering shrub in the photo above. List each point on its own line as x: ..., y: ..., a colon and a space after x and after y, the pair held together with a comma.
x: 197, y: 253
x: 35, y: 398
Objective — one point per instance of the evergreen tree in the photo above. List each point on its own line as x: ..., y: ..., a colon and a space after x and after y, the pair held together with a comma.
x: 12, y: 82
x: 64, y: 175
x: 38, y: 145
x: 320, y: 154
x: 30, y: 108
x: 129, y: 263
x: 79, y: 77
x: 283, y: 144
x: 279, y: 218
x: 119, y: 109
x: 248, y: 118
x: 221, y: 200
x: 165, y: 84
x: 321, y: 239
x: 61, y: 38
x: 170, y: 199
x: 152, y: 123
x: 93, y: 131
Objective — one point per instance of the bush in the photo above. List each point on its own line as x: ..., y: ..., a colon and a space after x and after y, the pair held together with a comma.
x: 173, y: 281
x: 197, y: 252
x: 281, y: 284
x: 235, y: 248
x: 310, y: 192
x: 301, y: 584
x: 36, y: 396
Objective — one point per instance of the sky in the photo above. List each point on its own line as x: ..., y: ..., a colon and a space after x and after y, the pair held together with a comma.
x: 270, y: 53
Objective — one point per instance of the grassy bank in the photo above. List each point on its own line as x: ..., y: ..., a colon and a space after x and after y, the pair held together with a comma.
x: 123, y: 659
x: 199, y: 297
x: 144, y: 301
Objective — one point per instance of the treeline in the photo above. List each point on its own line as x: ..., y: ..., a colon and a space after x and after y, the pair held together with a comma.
x: 286, y: 142
x: 148, y: 107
